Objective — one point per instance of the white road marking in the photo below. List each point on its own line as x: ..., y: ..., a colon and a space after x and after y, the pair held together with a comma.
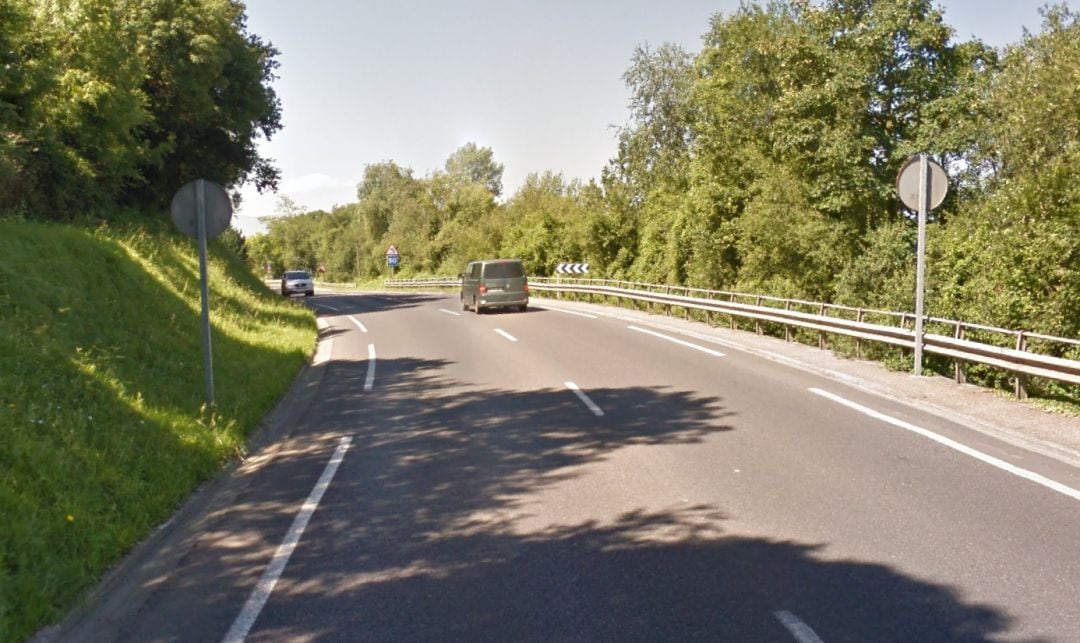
x: 953, y: 444
x: 327, y: 307
x: 242, y: 625
x: 358, y: 324
x: 801, y: 631
x: 571, y: 312
x: 678, y: 341
x: 369, y: 382
x: 597, y: 411
x: 450, y: 312
x: 506, y: 334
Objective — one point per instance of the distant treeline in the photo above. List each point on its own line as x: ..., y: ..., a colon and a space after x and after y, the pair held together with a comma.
x: 114, y: 104
x: 768, y: 162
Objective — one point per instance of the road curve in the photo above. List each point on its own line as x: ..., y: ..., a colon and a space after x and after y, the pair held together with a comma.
x: 569, y: 474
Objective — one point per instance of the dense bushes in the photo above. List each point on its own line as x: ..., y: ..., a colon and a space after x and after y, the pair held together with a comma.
x: 120, y: 102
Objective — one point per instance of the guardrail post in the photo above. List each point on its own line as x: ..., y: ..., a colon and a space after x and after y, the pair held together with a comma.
x: 858, y: 342
x: 958, y: 364
x: 903, y: 325
x: 823, y: 343
x: 732, y: 299
x: 787, y: 327
x: 757, y: 322
x: 1018, y: 381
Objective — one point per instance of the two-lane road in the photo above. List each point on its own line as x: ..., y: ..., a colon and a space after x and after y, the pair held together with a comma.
x: 574, y: 473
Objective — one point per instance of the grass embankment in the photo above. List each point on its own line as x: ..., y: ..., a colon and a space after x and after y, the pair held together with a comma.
x: 102, y: 427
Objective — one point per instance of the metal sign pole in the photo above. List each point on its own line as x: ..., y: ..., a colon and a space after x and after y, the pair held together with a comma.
x: 208, y: 362
x: 920, y: 269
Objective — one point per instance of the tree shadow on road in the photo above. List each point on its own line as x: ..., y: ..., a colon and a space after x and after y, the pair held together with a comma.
x: 429, y: 531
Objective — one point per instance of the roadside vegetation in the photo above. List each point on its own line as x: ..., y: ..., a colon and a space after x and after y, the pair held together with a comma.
x: 106, y: 108
x: 103, y: 428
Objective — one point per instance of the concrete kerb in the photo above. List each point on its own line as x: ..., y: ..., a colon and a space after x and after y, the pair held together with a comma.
x: 136, y: 576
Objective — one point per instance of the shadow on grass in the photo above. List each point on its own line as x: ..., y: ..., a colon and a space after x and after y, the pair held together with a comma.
x: 440, y: 525
x: 101, y: 434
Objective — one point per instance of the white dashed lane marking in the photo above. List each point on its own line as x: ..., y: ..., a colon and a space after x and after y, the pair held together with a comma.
x: 596, y: 410
x: 369, y: 382
x: 680, y: 342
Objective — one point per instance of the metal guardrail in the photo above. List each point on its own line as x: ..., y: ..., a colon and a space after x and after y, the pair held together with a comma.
x: 441, y: 282
x: 816, y: 316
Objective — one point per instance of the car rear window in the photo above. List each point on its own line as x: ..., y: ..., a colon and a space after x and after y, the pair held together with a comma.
x: 507, y: 270
x: 297, y: 274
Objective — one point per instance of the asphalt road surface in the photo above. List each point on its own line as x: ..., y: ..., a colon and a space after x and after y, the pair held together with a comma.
x: 580, y: 473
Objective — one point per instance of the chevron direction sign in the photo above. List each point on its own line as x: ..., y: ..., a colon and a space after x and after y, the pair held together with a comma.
x: 572, y: 268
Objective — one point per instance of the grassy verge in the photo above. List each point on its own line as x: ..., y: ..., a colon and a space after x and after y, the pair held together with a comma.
x: 102, y: 426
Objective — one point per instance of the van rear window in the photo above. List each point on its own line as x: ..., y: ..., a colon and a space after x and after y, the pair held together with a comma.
x: 508, y: 270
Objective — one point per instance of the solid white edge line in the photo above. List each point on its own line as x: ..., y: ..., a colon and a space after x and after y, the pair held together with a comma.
x: 450, y: 312
x: 801, y: 631
x: 570, y: 312
x: 254, y: 605
x: 369, y: 381
x: 953, y: 444
x: 357, y: 322
x: 677, y: 341
x: 596, y: 410
x: 506, y: 334
x: 327, y: 307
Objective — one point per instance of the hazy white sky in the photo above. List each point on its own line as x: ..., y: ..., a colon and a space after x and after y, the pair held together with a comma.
x: 537, y: 81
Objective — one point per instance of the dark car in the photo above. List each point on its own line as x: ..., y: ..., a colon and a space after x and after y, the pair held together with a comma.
x: 295, y: 281
x: 494, y: 283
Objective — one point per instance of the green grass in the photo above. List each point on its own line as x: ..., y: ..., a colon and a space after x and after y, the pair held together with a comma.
x: 103, y: 430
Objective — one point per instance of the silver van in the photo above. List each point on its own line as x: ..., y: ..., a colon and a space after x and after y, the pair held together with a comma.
x: 494, y: 283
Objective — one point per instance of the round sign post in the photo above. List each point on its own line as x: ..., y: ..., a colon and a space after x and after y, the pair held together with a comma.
x: 202, y: 209
x: 922, y: 185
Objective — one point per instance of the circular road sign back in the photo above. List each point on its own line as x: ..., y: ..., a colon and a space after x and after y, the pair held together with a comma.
x: 185, y: 212
x: 907, y: 183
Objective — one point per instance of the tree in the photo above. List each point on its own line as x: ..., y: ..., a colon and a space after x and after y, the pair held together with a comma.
x: 472, y: 164
x: 73, y: 109
x: 23, y: 79
x: 651, y: 164
x: 654, y: 146
x: 384, y: 188
x: 1011, y: 256
x: 548, y: 225
x: 107, y: 102
x: 208, y: 87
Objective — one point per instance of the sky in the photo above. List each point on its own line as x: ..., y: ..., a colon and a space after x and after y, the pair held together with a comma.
x: 537, y: 81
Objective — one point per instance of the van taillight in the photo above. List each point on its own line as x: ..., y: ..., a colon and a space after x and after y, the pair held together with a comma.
x: 482, y: 289
x: 526, y: 287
